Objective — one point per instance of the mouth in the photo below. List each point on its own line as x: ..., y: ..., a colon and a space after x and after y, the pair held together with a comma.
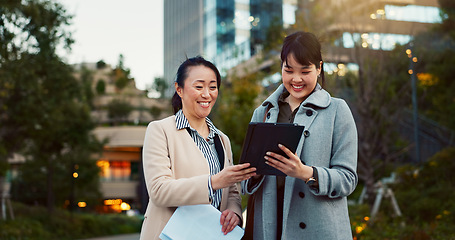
x: 297, y: 87
x: 204, y: 104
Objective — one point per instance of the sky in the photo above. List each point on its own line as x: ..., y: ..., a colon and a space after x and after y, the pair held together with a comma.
x: 104, y: 29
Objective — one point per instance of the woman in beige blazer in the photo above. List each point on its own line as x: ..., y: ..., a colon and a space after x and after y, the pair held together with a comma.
x: 187, y: 161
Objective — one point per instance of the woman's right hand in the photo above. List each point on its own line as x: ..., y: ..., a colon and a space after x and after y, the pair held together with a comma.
x: 231, y: 175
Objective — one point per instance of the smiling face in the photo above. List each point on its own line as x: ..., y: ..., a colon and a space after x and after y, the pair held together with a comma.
x: 199, y: 93
x: 300, y: 80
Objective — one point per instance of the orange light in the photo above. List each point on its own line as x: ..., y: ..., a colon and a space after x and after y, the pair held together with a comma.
x: 113, y: 202
x: 125, y: 206
x: 410, y: 71
x: 366, y: 218
x: 82, y: 204
x: 75, y: 175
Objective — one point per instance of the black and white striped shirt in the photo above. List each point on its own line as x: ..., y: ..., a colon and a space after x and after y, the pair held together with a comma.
x: 207, y: 148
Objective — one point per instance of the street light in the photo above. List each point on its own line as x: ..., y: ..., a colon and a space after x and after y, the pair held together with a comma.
x: 412, y: 61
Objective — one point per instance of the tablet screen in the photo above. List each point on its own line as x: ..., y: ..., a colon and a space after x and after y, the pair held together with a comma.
x: 263, y: 137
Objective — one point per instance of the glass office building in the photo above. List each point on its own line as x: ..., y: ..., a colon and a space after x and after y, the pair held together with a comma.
x: 226, y: 32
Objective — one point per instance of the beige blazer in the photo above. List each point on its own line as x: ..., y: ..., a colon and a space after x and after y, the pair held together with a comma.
x: 176, y: 173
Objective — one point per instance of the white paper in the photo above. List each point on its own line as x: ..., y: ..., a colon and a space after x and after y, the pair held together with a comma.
x: 197, y: 222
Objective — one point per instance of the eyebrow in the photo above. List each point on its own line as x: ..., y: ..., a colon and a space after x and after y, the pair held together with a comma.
x: 203, y: 81
x: 304, y: 67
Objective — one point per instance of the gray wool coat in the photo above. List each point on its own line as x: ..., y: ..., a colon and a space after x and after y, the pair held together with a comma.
x: 330, y: 145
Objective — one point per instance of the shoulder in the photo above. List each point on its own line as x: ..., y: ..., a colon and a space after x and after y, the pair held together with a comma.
x: 166, y: 123
x: 339, y: 104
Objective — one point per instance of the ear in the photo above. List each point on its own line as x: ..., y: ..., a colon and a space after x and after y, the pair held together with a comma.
x: 178, y: 89
x: 320, y: 67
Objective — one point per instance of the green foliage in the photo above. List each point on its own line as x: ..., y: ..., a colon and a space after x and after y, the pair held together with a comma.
x: 45, y: 110
x: 86, y: 85
x: 34, y: 222
x: 100, y: 64
x: 119, y: 110
x: 435, y: 76
x: 155, y: 111
x: 121, y: 82
x: 424, y: 196
x: 100, y: 87
x: 448, y: 17
x: 4, y: 166
x: 235, y: 107
x: 160, y: 85
x: 121, y: 74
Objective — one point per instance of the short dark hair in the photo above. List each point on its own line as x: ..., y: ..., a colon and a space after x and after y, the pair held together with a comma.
x: 306, y: 49
x: 182, y: 74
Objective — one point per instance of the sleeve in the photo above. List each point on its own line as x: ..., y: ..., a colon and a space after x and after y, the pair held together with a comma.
x: 234, y: 200
x: 164, y: 190
x: 340, y: 179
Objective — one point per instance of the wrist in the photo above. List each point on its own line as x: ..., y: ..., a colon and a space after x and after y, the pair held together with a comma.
x: 308, y: 173
x: 214, y: 181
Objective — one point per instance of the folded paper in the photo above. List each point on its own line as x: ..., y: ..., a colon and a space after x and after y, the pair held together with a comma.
x: 197, y: 222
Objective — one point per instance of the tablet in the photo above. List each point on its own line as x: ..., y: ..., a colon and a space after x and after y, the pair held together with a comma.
x: 264, y: 137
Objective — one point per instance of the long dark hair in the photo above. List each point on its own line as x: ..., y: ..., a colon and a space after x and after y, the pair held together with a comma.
x: 306, y: 49
x: 182, y: 74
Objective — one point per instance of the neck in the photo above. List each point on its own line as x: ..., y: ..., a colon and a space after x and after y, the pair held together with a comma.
x: 198, y: 124
x: 293, y: 103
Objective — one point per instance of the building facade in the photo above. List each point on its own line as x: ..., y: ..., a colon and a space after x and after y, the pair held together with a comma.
x: 226, y: 32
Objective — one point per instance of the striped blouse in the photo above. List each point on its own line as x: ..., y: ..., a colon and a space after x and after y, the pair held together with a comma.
x: 207, y: 148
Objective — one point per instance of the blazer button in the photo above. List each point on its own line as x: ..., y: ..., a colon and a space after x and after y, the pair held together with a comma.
x: 268, y: 115
x: 301, y: 194
x: 302, y: 225
x: 306, y: 133
x: 309, y: 113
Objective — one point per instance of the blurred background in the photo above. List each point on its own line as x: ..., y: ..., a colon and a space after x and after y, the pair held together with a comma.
x: 80, y: 81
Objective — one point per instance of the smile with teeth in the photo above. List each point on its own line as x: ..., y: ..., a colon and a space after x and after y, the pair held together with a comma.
x: 297, y: 86
x: 204, y: 104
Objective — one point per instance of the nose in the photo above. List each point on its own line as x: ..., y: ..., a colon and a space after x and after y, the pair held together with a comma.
x: 205, y: 92
x: 297, y: 78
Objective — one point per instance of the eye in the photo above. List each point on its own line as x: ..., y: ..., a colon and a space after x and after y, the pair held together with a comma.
x: 198, y: 87
x: 288, y: 71
x: 213, y: 87
x: 306, y: 73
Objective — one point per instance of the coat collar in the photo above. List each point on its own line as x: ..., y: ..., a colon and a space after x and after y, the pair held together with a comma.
x: 319, y: 98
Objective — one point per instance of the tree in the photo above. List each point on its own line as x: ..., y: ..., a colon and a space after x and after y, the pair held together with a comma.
x: 121, y: 74
x: 375, y: 93
x: 160, y: 85
x: 45, y: 114
x: 435, y: 51
x: 118, y: 111
x: 235, y: 105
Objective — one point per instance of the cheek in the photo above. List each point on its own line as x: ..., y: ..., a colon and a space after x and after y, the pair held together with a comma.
x: 214, y: 95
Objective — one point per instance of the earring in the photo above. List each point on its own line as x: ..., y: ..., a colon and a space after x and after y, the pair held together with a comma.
x: 319, y: 76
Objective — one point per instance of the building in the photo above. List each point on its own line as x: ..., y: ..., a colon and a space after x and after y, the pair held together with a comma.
x: 122, y: 183
x: 121, y: 167
x: 375, y: 25
x: 226, y: 32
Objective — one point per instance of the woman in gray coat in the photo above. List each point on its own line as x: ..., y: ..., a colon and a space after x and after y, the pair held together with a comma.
x: 310, y: 201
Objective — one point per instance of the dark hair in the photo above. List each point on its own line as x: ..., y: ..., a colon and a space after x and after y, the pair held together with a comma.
x: 306, y: 49
x: 182, y: 74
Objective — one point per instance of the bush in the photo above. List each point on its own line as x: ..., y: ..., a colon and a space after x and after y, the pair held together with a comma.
x: 424, y: 194
x: 35, y: 223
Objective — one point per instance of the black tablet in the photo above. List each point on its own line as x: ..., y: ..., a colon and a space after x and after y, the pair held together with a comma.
x: 264, y: 137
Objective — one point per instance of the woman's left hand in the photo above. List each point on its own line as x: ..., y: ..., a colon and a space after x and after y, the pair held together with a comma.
x: 291, y: 166
x: 228, y: 221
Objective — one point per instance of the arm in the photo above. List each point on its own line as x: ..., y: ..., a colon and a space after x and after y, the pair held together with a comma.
x: 340, y: 179
x: 164, y: 190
